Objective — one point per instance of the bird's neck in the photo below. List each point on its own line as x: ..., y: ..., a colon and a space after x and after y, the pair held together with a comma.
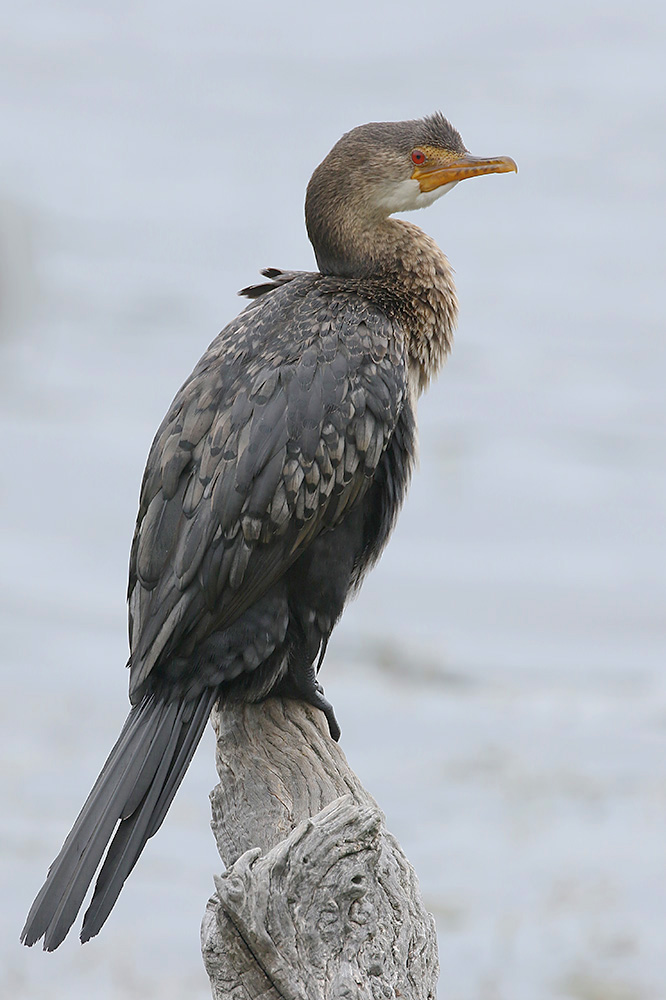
x: 396, y: 264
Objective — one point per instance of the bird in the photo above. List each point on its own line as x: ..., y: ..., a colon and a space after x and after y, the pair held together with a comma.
x: 271, y: 488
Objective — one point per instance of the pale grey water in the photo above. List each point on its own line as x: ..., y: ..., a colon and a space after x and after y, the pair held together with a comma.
x: 500, y: 681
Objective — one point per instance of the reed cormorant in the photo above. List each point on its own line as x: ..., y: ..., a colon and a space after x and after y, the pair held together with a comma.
x: 272, y: 487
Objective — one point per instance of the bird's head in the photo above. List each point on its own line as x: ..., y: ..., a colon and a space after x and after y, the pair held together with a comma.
x: 400, y: 166
x: 385, y: 167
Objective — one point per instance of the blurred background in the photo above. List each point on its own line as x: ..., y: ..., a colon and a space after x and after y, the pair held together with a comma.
x: 500, y: 681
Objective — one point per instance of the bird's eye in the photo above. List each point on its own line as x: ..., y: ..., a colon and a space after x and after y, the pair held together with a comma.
x: 418, y: 156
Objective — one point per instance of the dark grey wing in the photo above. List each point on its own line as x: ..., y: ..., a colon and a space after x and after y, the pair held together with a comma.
x: 275, y: 436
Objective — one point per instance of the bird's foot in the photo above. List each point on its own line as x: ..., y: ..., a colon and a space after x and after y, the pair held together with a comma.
x: 316, y: 697
x: 304, y: 686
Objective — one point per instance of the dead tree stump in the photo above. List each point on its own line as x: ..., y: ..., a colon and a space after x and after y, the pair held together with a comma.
x: 318, y: 900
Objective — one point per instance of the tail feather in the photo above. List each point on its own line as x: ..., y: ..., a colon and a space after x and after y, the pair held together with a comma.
x: 135, y: 830
x: 71, y: 850
x: 49, y: 902
x: 136, y: 771
x: 166, y: 726
x: 88, y: 859
x: 181, y: 763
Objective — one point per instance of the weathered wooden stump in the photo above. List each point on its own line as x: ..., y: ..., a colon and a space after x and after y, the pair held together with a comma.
x: 318, y: 900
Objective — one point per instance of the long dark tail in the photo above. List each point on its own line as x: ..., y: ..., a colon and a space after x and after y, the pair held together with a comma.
x: 136, y: 786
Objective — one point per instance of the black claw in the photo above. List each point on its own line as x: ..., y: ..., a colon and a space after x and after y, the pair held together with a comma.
x: 333, y: 726
x: 320, y: 701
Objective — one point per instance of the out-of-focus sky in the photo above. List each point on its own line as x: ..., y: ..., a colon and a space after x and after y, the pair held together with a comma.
x: 500, y: 680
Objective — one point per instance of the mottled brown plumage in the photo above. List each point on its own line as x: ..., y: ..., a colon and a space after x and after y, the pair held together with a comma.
x: 271, y: 487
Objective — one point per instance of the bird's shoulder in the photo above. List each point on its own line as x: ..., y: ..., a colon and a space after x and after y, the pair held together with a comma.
x: 312, y: 333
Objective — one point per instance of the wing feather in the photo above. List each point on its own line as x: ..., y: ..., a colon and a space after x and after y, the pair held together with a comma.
x: 273, y: 439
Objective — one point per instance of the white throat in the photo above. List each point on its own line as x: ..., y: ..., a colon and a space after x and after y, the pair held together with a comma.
x: 405, y: 196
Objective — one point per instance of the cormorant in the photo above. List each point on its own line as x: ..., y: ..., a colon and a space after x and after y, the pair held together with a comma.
x: 272, y: 486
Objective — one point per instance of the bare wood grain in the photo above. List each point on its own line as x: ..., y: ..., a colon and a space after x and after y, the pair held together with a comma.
x: 318, y: 900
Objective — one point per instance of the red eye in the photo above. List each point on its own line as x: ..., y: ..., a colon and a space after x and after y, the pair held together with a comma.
x: 418, y: 156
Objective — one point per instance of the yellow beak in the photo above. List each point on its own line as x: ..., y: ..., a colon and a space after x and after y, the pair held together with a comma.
x: 447, y: 169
